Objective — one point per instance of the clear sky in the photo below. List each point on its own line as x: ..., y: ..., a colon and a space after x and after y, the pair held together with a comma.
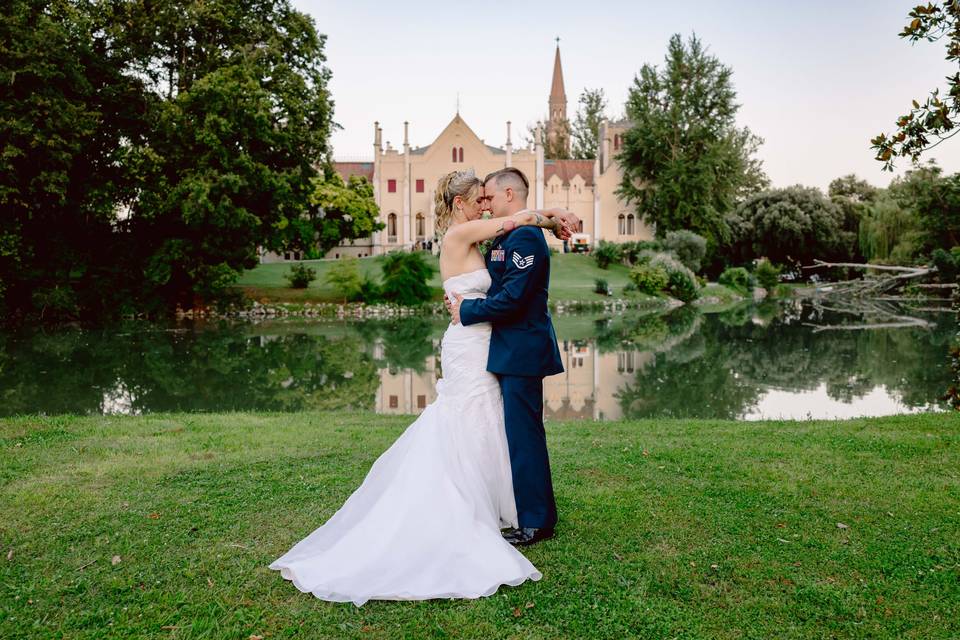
x: 815, y: 79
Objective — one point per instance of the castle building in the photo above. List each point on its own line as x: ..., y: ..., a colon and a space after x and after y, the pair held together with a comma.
x: 404, y: 181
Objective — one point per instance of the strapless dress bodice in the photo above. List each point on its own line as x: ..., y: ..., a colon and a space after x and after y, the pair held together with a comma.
x: 470, y: 285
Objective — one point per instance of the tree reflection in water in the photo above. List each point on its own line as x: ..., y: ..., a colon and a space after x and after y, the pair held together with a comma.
x: 724, y: 367
x: 682, y: 363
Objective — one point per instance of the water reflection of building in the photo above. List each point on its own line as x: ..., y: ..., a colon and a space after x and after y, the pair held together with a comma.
x: 585, y: 390
x: 405, y: 391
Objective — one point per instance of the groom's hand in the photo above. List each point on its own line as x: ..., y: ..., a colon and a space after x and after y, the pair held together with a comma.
x: 453, y: 307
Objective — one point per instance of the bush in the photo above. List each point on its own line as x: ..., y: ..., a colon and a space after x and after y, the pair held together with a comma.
x: 681, y: 282
x: 737, y: 278
x: 607, y: 253
x: 767, y: 275
x: 405, y: 276
x: 601, y: 286
x: 689, y: 248
x: 344, y: 277
x: 631, y: 250
x: 300, y: 276
x: 370, y: 291
x: 649, y: 279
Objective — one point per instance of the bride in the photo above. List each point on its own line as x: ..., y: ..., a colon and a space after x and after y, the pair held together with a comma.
x: 426, y: 521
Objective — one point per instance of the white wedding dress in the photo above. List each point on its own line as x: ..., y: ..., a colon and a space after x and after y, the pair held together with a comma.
x: 426, y: 521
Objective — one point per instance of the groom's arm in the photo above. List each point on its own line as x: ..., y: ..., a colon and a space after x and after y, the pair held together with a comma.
x: 520, y: 277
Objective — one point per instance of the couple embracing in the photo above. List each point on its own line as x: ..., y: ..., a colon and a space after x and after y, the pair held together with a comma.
x: 442, y: 511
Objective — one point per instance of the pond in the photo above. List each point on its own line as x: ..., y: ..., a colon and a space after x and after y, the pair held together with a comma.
x: 788, y: 359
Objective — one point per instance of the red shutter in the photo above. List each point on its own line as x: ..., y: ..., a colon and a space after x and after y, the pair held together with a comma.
x: 461, y: 154
x: 392, y: 186
x: 454, y: 154
x: 420, y: 185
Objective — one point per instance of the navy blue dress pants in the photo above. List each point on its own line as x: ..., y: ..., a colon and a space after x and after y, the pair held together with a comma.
x: 527, y: 441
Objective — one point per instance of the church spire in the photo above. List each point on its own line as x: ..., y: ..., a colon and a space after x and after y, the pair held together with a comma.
x: 557, y: 93
x: 558, y: 130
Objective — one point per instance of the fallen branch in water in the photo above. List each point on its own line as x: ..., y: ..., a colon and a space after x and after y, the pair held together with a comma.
x: 915, y: 322
x: 872, y: 285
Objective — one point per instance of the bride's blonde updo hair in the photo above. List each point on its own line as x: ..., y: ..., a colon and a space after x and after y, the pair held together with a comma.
x: 455, y: 183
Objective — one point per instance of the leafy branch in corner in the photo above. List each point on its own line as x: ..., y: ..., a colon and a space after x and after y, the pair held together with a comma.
x: 929, y: 123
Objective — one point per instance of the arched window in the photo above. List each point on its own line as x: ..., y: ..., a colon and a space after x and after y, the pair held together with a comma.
x: 392, y: 227
x: 631, y: 228
x: 622, y: 224
x: 461, y: 154
x: 421, y: 226
x: 454, y: 154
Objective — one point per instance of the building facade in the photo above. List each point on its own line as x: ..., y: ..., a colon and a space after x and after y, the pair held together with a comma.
x: 404, y: 181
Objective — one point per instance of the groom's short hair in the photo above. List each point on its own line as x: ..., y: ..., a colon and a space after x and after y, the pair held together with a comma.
x: 510, y: 177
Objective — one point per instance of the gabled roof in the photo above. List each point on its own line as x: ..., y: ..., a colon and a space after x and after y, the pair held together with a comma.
x: 456, y: 122
x: 566, y: 169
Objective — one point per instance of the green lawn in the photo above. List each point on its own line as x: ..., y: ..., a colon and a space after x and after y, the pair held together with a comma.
x: 163, y: 526
x: 572, y: 278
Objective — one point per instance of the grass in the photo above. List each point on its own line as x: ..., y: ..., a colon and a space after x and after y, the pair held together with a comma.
x: 162, y: 527
x: 571, y: 278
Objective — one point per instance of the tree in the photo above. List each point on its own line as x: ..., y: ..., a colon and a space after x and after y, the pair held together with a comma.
x: 239, y: 118
x: 586, y: 124
x: 556, y: 148
x: 344, y: 277
x: 685, y: 163
x: 854, y: 196
x: 337, y: 212
x: 405, y: 277
x: 791, y: 226
x: 920, y: 213
x: 938, y: 213
x: 929, y: 123
x: 150, y: 149
x: 889, y: 232
x: 66, y: 108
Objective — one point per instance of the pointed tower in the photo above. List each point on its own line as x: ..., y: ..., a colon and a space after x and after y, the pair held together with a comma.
x: 557, y: 125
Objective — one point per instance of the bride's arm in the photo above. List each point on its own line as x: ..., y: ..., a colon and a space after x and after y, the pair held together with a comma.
x: 478, y: 230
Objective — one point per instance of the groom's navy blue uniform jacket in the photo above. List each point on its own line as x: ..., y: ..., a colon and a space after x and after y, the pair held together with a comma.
x: 523, y: 342
x: 523, y: 349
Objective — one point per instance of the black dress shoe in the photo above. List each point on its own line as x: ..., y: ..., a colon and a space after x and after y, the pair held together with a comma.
x: 526, y: 536
x: 509, y: 532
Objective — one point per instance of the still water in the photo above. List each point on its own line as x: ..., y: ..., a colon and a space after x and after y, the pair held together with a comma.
x: 789, y: 359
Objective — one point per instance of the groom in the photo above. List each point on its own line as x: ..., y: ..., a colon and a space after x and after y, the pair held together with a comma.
x: 523, y: 349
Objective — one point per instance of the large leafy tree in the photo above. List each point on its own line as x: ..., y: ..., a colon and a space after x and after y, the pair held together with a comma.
x: 854, y: 196
x: 239, y: 116
x: 586, y: 124
x: 930, y: 122
x: 150, y: 149
x: 66, y: 108
x: 789, y: 226
x: 685, y: 162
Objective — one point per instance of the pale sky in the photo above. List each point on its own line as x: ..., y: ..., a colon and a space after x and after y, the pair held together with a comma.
x: 815, y: 79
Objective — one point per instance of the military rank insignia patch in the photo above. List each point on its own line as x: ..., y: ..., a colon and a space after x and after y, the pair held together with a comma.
x: 520, y: 262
